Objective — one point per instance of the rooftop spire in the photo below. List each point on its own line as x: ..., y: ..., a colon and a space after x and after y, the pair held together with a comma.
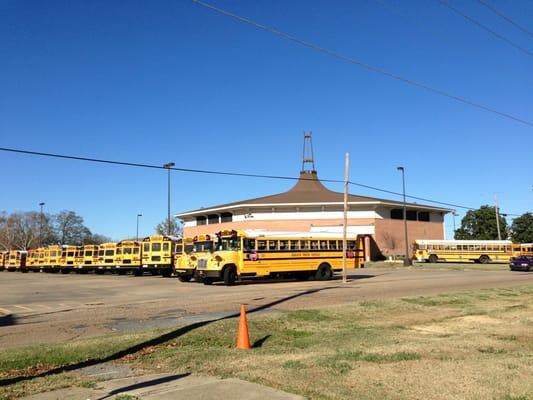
x: 308, y: 161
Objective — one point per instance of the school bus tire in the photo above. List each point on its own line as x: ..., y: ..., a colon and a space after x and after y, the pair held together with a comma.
x: 121, y: 272
x: 23, y: 270
x: 484, y: 259
x: 99, y: 271
x: 323, y: 272
x: 137, y: 272
x: 433, y: 258
x: 184, y: 277
x: 229, y: 275
x: 65, y: 271
x: 166, y: 273
x: 207, y: 281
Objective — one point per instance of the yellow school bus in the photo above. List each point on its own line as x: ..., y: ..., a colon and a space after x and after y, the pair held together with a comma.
x: 106, y: 258
x: 185, y: 257
x: 52, y: 259
x: 34, y: 259
x: 478, y: 251
x: 242, y: 254
x: 158, y: 254
x: 16, y: 261
x: 3, y: 260
x: 523, y: 249
x: 69, y: 258
x: 87, y: 259
x: 128, y: 257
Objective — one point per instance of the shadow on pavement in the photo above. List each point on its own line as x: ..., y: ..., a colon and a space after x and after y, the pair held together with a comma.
x: 155, y: 341
x: 7, y: 320
x: 144, y: 384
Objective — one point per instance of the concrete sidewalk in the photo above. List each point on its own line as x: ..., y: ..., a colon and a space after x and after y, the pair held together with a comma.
x: 169, y: 386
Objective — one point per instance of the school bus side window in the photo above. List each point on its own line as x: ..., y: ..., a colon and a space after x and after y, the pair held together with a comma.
x: 294, y: 245
x: 249, y: 244
x: 261, y: 245
x: 272, y: 245
x: 304, y: 244
x: 284, y: 245
x: 333, y: 245
x: 165, y: 246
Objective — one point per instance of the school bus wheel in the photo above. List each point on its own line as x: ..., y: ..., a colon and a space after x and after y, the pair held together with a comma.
x: 229, y: 274
x: 184, y: 277
x: 323, y: 273
x: 207, y: 281
x: 433, y: 258
x: 137, y: 272
x: 484, y: 259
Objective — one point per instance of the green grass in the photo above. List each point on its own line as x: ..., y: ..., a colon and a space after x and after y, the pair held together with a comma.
x: 462, y: 346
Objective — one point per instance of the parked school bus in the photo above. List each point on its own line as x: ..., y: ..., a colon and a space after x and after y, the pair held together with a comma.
x: 34, y: 259
x: 128, y: 257
x: 158, y: 254
x: 52, y: 259
x: 2, y: 260
x: 185, y: 259
x: 69, y: 258
x: 106, y: 258
x: 242, y: 254
x: 16, y: 261
x: 88, y: 258
x: 478, y: 251
x: 523, y: 249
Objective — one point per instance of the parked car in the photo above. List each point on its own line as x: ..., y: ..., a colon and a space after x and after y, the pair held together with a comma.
x: 523, y: 263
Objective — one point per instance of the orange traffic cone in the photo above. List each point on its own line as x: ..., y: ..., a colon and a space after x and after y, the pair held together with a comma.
x: 243, y: 339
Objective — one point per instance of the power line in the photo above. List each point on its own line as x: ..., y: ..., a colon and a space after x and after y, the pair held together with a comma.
x: 485, y: 28
x: 225, y: 173
x: 499, y: 13
x: 354, y: 61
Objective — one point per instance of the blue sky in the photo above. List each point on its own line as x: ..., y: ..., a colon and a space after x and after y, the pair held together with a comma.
x: 163, y: 81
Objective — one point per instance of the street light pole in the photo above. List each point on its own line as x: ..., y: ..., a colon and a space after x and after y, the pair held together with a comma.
x: 407, y: 259
x: 454, y: 214
x: 41, y: 226
x: 168, y: 166
x: 137, y: 236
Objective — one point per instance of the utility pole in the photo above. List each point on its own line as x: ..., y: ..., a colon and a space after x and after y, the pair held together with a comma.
x: 454, y: 214
x: 497, y: 212
x: 345, y: 222
x: 407, y: 259
x: 168, y: 166
x: 138, y: 216
x: 41, y: 225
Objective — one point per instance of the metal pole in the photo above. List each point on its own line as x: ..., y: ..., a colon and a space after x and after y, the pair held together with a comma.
x: 168, y: 220
x: 41, y: 226
x: 454, y: 214
x: 137, y: 236
x: 168, y: 166
x: 345, y: 222
x: 497, y: 211
x: 407, y: 259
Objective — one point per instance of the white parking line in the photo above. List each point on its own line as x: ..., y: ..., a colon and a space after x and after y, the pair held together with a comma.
x: 44, y: 306
x: 24, y: 308
x: 5, y: 310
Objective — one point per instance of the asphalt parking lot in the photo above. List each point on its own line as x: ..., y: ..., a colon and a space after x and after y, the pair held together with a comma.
x: 40, y: 308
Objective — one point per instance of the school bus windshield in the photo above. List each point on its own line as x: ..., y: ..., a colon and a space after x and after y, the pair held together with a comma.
x: 206, y: 245
x: 229, y: 243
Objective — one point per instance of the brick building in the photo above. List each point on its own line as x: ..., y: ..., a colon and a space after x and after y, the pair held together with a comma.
x: 310, y: 206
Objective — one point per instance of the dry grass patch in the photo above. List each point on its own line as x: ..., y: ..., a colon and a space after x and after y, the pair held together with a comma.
x: 476, y: 345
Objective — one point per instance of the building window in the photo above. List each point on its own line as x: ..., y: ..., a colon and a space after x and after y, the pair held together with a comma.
x: 226, y: 217
x: 396, y: 213
x: 411, y: 215
x: 213, y: 219
x: 423, y: 216
x: 200, y: 221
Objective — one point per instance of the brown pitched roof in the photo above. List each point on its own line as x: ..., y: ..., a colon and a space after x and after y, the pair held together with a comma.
x: 308, y: 189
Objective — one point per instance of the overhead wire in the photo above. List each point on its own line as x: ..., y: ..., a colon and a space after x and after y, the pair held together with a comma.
x: 359, y: 63
x: 500, y: 14
x: 485, y: 28
x: 224, y: 173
